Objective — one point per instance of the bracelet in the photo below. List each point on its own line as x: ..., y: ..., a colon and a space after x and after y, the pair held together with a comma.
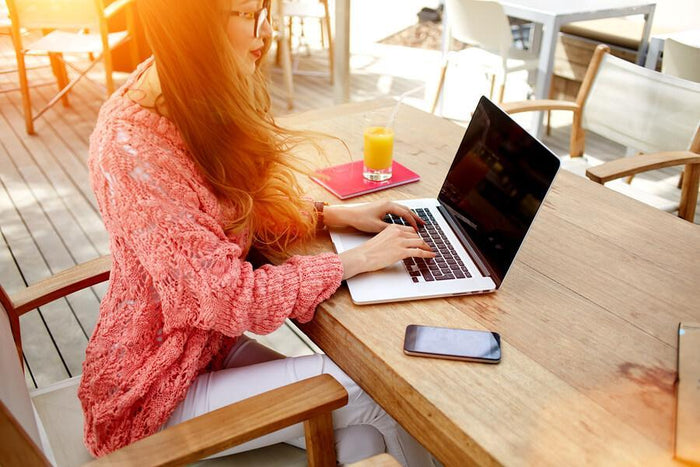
x: 318, y: 207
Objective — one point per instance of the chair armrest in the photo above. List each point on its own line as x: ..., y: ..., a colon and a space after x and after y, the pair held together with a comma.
x: 234, y: 424
x: 535, y: 105
x: 114, y: 7
x: 632, y: 165
x: 61, y: 284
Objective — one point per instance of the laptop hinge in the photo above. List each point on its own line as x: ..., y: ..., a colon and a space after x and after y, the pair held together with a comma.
x: 469, y: 245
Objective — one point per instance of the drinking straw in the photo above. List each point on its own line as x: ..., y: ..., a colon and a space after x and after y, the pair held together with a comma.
x: 390, y: 124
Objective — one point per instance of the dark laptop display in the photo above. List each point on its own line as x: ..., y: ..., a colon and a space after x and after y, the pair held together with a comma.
x: 495, y: 186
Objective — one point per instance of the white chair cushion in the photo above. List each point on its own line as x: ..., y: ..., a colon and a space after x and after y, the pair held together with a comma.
x: 642, y: 195
x: 59, y: 408
x: 578, y: 166
x: 13, y: 386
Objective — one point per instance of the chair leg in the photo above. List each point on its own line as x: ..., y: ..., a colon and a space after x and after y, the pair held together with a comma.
x: 501, y: 90
x: 107, y: 61
x: 578, y: 137
x: 109, y: 79
x: 286, y: 53
x: 24, y: 90
x: 320, y: 445
x: 441, y: 83
x: 689, y: 192
x: 59, y: 70
x: 549, y: 112
x: 629, y: 179
x: 492, y: 86
x: 278, y: 52
x: 330, y: 38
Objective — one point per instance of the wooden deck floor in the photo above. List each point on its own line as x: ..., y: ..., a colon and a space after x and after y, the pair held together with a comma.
x: 48, y: 215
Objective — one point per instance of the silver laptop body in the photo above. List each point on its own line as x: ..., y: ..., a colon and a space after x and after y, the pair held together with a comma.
x: 490, y: 197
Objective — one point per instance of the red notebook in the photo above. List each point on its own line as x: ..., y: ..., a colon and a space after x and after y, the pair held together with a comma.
x: 346, y: 180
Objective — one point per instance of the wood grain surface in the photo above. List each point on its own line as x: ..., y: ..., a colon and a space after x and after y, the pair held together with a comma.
x: 588, y: 316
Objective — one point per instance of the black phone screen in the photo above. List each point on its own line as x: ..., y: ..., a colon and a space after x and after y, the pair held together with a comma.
x: 461, y: 344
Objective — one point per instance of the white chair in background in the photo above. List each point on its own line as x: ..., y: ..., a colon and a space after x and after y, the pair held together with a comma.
x: 681, y: 59
x: 484, y: 25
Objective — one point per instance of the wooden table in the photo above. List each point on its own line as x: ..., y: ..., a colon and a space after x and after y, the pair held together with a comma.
x: 588, y: 317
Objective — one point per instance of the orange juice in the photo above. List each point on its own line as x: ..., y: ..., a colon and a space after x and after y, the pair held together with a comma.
x: 379, y: 147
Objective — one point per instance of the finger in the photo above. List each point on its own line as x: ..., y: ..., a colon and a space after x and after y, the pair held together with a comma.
x: 407, y: 230
x: 406, y: 214
x: 416, y: 217
x: 409, y: 216
x: 417, y: 242
x: 420, y: 253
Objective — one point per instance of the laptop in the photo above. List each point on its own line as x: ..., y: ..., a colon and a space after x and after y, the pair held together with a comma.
x: 488, y: 201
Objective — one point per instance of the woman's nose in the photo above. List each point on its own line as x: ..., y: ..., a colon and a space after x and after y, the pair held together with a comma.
x: 266, y: 28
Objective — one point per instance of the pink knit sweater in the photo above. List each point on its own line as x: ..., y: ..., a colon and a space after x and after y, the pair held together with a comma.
x: 180, y: 289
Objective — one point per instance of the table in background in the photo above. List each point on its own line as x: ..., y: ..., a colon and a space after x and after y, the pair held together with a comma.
x: 588, y: 317
x: 550, y: 15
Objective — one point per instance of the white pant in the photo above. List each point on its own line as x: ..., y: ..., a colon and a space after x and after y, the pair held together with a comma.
x: 362, y: 427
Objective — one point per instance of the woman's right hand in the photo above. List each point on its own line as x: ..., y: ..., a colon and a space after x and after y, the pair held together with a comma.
x: 392, y: 244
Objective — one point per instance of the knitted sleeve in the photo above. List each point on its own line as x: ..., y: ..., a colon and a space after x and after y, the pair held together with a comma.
x: 154, y: 204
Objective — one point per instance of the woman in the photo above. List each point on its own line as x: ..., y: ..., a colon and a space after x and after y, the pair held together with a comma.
x: 190, y: 172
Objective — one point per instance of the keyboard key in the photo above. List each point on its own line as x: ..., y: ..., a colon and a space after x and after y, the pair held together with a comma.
x: 446, y: 265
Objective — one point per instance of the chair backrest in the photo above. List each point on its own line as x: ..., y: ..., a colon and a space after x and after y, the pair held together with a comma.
x: 56, y: 14
x: 480, y: 22
x: 681, y: 60
x: 13, y: 391
x: 641, y: 108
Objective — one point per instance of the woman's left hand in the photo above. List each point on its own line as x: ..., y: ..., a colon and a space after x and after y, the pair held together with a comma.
x: 369, y: 217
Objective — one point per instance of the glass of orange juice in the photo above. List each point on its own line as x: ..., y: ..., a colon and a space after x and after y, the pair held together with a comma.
x: 378, y: 151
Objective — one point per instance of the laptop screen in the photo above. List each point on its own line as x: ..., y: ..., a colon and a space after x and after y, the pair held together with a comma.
x: 496, y: 184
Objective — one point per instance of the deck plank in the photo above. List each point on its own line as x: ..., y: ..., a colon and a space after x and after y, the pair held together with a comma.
x: 17, y: 178
x: 41, y: 357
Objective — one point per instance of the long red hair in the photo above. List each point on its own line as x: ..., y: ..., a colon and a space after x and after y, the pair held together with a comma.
x: 223, y: 116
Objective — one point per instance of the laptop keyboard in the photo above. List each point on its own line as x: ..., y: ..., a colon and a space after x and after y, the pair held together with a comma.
x: 446, y: 265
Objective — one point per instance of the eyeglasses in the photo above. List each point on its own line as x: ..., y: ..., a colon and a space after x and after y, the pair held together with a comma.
x: 259, y: 16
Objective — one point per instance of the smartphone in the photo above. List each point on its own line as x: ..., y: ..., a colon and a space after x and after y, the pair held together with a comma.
x: 453, y: 344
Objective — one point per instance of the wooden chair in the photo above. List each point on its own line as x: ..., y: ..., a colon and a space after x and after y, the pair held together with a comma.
x: 26, y: 440
x: 63, y: 18
x: 484, y: 25
x: 6, y: 30
x: 646, y: 111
